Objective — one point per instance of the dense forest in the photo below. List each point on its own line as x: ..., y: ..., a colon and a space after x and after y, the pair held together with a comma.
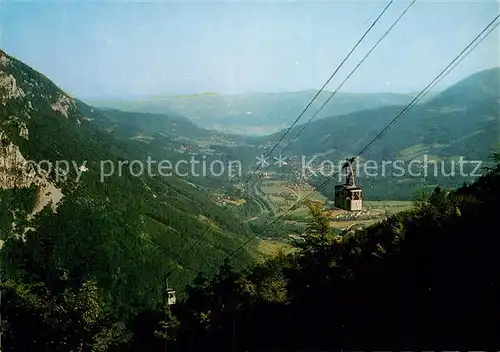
x: 424, y: 278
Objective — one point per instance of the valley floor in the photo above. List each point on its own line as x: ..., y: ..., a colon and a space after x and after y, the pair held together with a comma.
x: 275, y: 197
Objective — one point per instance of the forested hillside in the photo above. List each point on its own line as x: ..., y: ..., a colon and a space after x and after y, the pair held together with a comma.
x: 171, y: 126
x: 123, y: 232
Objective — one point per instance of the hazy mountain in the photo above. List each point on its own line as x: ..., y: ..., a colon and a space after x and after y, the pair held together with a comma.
x: 254, y: 113
x: 173, y: 126
x: 462, y: 120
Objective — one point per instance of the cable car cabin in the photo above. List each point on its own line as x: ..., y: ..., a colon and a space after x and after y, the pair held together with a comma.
x: 348, y: 198
x: 348, y: 195
x: 171, y: 298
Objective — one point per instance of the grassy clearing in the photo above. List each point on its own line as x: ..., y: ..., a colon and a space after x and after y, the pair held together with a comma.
x: 141, y: 137
x: 414, y: 150
x: 271, y: 187
x: 395, y: 210
x: 236, y: 202
x: 269, y: 248
x: 315, y: 196
x: 300, y: 212
x: 284, y: 197
x: 390, y: 206
x: 380, y: 204
x: 344, y: 224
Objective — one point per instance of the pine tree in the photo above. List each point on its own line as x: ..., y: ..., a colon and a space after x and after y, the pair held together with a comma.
x: 318, y: 235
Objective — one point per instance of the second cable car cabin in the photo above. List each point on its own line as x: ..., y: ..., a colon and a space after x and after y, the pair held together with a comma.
x: 170, y: 297
x: 348, y: 195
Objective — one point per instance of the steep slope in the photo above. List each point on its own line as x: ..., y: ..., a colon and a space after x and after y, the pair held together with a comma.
x: 255, y: 113
x: 478, y: 86
x: 162, y: 215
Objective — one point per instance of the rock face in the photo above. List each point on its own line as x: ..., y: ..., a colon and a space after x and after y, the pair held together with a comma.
x: 63, y: 104
x: 15, y: 172
x: 23, y: 131
x: 9, y: 86
x: 4, y: 60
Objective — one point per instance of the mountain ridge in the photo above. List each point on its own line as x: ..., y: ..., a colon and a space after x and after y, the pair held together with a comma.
x: 464, y: 100
x: 251, y: 113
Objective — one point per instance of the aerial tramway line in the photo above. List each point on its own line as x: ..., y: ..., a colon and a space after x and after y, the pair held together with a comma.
x: 350, y: 184
x: 462, y: 55
x: 299, y: 117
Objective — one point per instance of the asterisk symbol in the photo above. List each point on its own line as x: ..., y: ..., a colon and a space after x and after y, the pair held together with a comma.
x: 262, y: 161
x: 280, y: 161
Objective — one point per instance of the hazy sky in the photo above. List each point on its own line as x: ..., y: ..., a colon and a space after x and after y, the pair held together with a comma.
x: 123, y: 49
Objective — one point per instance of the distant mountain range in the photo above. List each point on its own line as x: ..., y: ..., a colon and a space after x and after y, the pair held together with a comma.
x: 463, y: 120
x: 254, y: 113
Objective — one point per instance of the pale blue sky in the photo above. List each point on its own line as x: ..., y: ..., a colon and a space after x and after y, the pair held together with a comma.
x: 124, y: 49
